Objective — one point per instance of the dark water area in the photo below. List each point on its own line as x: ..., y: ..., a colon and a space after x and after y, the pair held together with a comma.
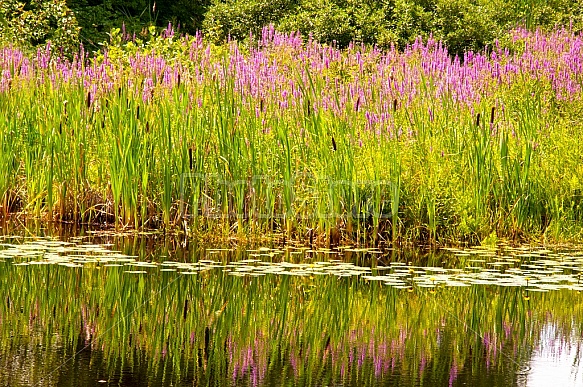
x: 96, y: 308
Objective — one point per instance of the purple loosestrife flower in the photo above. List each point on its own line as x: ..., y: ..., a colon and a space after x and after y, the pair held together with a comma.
x: 5, y: 80
x: 148, y: 89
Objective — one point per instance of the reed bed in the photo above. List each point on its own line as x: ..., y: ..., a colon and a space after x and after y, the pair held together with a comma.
x: 293, y: 137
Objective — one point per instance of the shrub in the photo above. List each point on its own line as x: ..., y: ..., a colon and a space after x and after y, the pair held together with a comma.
x: 34, y: 23
x: 238, y: 18
x: 461, y: 24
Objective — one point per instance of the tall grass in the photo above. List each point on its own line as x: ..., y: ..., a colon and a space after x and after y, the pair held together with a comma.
x: 293, y: 137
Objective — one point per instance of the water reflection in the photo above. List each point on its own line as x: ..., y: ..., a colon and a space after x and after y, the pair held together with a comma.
x: 103, y: 315
x: 555, y: 361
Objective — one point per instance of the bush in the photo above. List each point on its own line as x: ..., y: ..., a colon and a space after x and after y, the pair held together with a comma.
x: 237, y: 19
x: 33, y: 23
x: 461, y: 24
x: 98, y: 18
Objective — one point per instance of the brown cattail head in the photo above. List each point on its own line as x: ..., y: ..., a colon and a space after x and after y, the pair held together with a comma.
x: 478, y: 119
x: 333, y: 144
x: 190, y: 157
x: 492, y: 116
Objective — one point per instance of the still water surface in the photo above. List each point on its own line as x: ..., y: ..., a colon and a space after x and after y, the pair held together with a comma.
x: 123, y: 311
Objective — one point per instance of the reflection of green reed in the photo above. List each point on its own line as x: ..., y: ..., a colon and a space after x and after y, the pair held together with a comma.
x: 214, y: 327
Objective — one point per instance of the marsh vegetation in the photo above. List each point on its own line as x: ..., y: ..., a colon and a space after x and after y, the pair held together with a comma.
x: 289, y: 136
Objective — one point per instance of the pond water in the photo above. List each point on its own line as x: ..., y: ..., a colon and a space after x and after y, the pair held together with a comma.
x: 100, y: 309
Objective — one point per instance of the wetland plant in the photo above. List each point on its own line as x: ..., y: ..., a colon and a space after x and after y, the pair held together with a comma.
x: 287, y: 136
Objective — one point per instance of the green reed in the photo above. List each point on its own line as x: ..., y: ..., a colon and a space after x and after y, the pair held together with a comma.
x: 204, y: 156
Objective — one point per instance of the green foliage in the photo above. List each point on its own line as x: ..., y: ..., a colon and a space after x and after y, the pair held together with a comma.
x: 33, y: 23
x: 189, y: 14
x: 460, y: 24
x: 98, y: 18
x: 326, y: 21
x: 237, y: 19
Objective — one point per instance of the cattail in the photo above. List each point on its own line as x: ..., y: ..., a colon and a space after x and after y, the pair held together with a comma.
x: 478, y: 120
x: 492, y: 116
x: 138, y: 112
x: 333, y: 144
x: 88, y: 100
x: 178, y: 80
x: 190, y: 157
x: 148, y: 127
x: 185, y: 310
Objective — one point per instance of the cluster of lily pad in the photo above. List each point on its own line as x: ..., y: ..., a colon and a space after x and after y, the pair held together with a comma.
x: 532, y: 268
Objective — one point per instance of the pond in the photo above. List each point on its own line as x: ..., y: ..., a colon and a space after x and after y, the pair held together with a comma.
x: 100, y: 309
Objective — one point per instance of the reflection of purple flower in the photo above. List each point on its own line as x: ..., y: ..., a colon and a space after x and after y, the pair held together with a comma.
x: 507, y: 329
x: 361, y: 358
x: 453, y: 372
x: 377, y: 365
x: 294, y: 363
x: 254, y: 376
